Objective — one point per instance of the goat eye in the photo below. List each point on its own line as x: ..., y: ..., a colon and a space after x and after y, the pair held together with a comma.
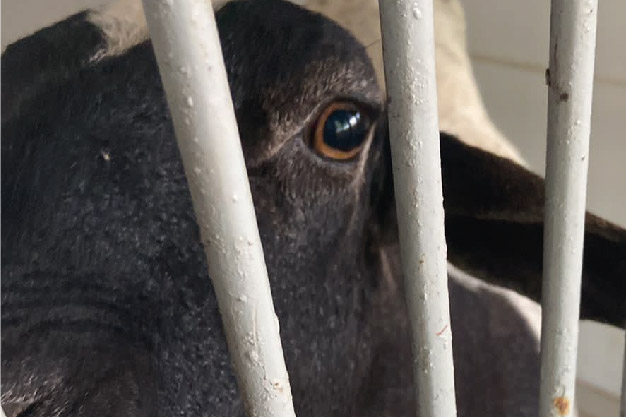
x: 341, y: 131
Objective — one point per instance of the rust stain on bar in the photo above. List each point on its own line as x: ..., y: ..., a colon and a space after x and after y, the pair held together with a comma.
x: 440, y: 332
x: 562, y: 405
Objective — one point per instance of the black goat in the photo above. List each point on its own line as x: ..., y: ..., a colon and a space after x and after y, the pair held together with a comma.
x: 107, y: 307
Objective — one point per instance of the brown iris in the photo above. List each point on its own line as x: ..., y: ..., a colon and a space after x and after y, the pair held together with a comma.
x: 340, y: 131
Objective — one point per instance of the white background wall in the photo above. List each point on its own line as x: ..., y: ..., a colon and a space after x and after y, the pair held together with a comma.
x: 508, y: 42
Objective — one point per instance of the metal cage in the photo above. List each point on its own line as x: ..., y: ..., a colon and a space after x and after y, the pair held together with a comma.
x: 188, y: 52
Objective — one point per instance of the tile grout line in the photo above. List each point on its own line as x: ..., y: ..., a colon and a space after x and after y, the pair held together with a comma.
x: 536, y: 68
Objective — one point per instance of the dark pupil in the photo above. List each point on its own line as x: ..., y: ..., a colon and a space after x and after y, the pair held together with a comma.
x: 345, y: 130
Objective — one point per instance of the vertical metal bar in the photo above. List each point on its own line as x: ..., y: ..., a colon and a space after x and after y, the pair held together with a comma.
x: 409, y: 57
x: 188, y: 51
x: 570, y: 88
x: 622, y: 411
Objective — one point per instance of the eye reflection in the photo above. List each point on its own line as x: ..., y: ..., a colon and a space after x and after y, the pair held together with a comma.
x: 340, y: 131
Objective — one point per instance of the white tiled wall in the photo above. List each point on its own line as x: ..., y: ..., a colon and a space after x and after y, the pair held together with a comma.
x: 508, y: 42
x: 518, y: 32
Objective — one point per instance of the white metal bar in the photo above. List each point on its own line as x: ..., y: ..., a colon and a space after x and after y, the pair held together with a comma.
x: 409, y: 56
x: 570, y: 81
x: 186, y: 43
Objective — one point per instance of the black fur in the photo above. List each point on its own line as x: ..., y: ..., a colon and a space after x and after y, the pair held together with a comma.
x: 107, y: 308
x: 52, y: 54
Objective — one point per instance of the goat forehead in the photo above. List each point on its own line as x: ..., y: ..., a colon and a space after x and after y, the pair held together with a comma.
x: 289, y: 61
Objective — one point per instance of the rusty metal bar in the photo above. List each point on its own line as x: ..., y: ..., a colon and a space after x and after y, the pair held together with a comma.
x: 409, y: 61
x: 570, y: 90
x: 186, y: 43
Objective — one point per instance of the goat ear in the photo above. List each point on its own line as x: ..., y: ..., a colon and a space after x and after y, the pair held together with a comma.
x: 494, y: 229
